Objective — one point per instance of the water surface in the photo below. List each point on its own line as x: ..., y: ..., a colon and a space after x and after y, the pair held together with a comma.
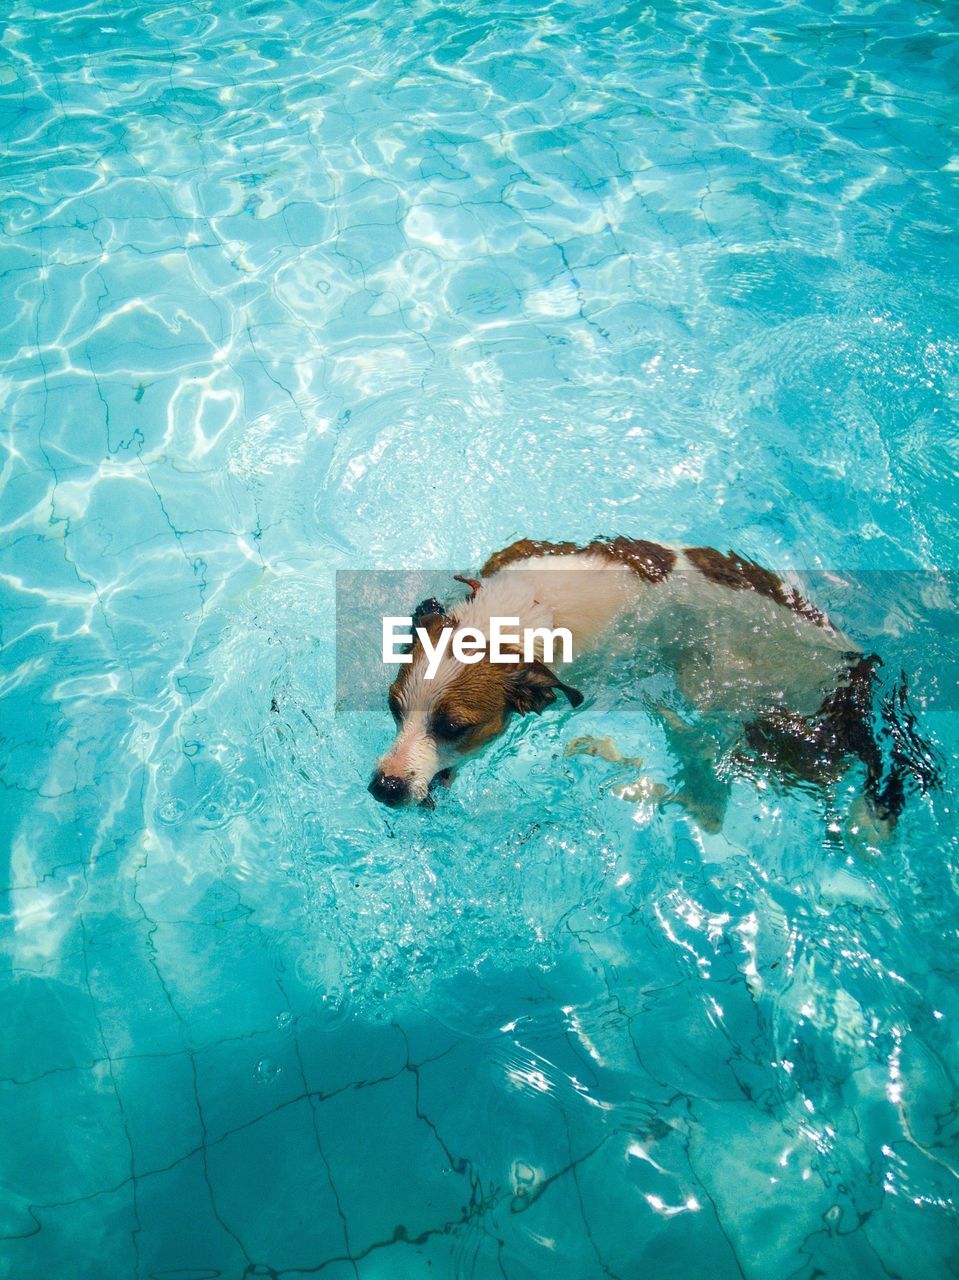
x: 291, y: 288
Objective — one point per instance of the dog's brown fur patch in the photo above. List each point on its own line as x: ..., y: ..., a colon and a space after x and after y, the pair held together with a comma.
x: 483, y: 694
x: 740, y: 574
x: 525, y: 549
x: 477, y: 696
x: 816, y: 748
x: 648, y: 559
x: 432, y: 624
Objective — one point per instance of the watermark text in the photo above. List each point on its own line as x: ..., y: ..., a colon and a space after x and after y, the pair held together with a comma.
x: 469, y: 644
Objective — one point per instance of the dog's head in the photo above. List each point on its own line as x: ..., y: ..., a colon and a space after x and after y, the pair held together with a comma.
x: 442, y: 721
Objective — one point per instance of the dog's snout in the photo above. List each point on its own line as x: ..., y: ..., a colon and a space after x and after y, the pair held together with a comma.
x: 389, y: 789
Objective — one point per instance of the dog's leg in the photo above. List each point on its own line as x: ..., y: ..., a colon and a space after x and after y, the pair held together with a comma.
x: 641, y: 789
x: 866, y: 831
x: 605, y: 748
x: 701, y: 792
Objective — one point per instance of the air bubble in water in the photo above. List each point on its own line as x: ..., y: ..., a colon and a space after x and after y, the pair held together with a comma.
x: 266, y: 1071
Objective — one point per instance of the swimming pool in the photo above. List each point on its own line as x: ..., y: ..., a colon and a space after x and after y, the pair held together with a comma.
x: 299, y: 288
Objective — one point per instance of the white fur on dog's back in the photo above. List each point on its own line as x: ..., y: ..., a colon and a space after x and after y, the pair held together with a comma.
x: 583, y: 591
x: 736, y: 651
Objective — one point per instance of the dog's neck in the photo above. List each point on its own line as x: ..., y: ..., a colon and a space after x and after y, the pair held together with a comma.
x: 581, y: 596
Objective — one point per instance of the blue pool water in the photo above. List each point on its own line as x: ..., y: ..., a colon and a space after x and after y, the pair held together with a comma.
x: 292, y: 288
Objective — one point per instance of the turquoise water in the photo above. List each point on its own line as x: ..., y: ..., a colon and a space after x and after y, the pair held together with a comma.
x: 297, y: 288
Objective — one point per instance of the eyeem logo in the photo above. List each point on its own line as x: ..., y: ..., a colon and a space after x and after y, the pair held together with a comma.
x: 469, y: 644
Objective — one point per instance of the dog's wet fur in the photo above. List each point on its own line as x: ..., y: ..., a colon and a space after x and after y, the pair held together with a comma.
x: 790, y: 694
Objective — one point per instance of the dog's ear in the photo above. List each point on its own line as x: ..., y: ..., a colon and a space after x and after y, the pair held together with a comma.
x: 532, y: 687
x: 427, y: 609
x: 426, y: 614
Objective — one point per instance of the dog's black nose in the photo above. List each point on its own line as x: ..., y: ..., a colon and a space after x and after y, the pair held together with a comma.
x: 389, y: 789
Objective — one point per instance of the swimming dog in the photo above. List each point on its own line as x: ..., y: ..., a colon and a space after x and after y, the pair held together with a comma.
x: 764, y: 679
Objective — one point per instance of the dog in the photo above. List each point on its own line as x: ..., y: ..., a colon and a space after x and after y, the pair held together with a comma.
x: 764, y: 680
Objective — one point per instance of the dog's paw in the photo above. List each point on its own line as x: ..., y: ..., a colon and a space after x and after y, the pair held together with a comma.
x: 644, y: 790
x: 604, y: 748
x: 866, y: 833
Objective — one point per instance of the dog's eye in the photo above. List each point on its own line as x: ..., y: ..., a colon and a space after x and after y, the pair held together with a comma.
x: 396, y: 711
x: 444, y: 727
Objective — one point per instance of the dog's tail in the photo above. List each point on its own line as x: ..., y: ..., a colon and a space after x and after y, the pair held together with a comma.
x: 913, y: 764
